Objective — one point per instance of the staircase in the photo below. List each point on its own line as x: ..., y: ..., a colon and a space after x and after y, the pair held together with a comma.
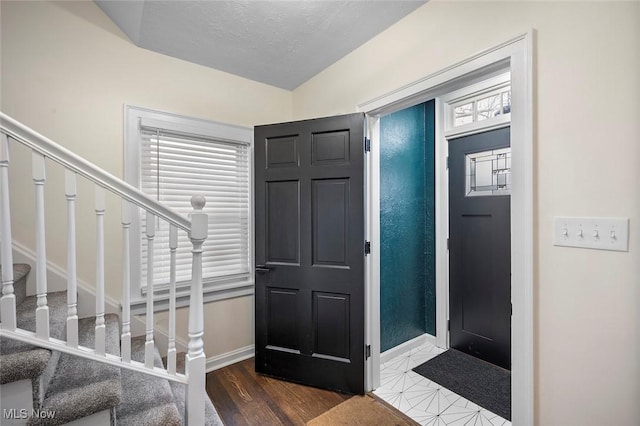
x: 56, y: 368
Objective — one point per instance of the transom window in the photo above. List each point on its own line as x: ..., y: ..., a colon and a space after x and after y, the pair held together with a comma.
x: 478, y: 107
x: 482, y: 108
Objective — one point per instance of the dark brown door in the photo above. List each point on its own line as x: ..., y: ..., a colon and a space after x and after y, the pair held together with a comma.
x: 309, y: 209
x: 480, y: 246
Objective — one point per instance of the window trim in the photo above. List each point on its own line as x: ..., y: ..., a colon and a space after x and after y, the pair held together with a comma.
x: 214, y: 289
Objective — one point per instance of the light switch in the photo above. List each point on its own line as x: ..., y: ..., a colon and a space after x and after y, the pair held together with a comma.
x: 600, y: 233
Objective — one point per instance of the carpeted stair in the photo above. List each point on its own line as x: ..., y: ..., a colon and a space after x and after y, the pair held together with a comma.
x: 21, y: 360
x: 148, y: 400
x: 81, y: 387
x: 76, y: 387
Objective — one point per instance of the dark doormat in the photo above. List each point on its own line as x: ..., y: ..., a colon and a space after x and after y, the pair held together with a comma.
x: 480, y: 382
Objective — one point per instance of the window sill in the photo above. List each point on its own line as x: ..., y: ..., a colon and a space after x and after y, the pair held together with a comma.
x: 210, y: 294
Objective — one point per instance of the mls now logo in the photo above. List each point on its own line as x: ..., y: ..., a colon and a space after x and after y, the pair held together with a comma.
x: 15, y: 414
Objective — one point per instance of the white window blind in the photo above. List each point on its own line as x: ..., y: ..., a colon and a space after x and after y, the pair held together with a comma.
x: 173, y: 167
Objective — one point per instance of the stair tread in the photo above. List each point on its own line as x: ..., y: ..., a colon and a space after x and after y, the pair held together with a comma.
x: 23, y: 365
x: 81, y: 387
x: 147, y: 400
x: 19, y: 270
x: 26, y: 319
x: 15, y: 355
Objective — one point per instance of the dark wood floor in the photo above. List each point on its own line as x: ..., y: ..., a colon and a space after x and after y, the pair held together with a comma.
x: 242, y: 397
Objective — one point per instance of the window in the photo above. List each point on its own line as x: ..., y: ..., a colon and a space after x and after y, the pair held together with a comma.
x: 170, y: 158
x: 482, y: 108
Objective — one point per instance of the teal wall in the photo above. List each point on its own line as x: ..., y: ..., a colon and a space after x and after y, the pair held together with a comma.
x: 407, y: 232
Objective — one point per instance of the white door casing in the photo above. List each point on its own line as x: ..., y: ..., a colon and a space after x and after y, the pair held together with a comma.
x: 516, y: 56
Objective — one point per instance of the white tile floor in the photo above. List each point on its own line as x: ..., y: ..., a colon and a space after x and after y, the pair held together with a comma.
x: 427, y: 402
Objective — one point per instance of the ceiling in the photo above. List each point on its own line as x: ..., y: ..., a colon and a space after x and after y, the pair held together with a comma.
x: 281, y: 43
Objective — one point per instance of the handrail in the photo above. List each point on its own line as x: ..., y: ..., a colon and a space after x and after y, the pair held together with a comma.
x: 90, y: 171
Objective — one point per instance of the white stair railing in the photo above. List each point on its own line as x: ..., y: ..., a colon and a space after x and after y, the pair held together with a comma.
x: 44, y: 150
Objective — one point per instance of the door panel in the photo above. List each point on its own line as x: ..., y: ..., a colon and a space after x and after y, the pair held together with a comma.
x: 330, y: 201
x: 283, y: 222
x: 480, y: 246
x: 309, y: 201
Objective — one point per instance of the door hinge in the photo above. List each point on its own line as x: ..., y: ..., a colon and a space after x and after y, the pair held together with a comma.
x: 367, y: 247
x: 367, y: 352
x: 448, y: 244
x: 447, y: 162
x: 448, y: 325
x: 367, y: 145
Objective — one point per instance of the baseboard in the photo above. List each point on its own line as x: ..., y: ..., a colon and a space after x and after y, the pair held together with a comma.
x: 222, y: 360
x: 406, y: 347
x: 57, y: 281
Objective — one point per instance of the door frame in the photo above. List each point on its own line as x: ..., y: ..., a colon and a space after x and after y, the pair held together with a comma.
x: 515, y: 55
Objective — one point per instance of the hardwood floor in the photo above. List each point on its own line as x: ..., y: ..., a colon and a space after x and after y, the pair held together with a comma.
x: 244, y: 398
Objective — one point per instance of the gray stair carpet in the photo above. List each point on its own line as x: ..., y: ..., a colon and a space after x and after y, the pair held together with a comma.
x: 180, y: 396
x: 147, y: 400
x: 26, y: 316
x: 19, y: 360
x: 81, y: 387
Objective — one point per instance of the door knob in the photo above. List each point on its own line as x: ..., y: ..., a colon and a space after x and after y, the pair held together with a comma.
x: 262, y: 268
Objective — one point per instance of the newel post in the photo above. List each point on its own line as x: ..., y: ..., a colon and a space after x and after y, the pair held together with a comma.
x: 195, y: 359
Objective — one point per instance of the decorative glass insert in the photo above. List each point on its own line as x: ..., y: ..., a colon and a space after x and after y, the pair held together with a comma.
x: 483, y: 108
x: 488, y: 173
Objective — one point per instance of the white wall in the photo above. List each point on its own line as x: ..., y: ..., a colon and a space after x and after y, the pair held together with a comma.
x: 66, y: 71
x: 587, y: 163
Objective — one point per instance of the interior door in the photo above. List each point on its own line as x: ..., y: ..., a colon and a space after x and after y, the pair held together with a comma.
x: 480, y: 246
x: 309, y: 210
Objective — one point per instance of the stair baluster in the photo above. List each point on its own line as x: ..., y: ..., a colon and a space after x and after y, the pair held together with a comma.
x: 72, y: 293
x: 125, y: 339
x: 195, y: 360
x: 8, y: 301
x: 148, y: 346
x: 101, y: 328
x: 42, y: 310
x: 171, y: 351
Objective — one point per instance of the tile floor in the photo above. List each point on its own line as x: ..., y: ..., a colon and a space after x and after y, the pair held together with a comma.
x: 425, y: 401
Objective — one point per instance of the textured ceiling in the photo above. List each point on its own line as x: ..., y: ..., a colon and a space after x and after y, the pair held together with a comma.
x: 281, y: 43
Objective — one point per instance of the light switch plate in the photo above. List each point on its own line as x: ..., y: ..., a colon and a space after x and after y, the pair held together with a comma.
x: 600, y: 233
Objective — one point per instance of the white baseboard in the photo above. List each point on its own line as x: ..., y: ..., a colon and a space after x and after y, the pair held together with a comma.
x: 222, y: 360
x: 406, y: 347
x: 57, y: 281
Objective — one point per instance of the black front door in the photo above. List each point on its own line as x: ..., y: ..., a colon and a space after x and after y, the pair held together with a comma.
x: 309, y: 210
x: 480, y: 246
